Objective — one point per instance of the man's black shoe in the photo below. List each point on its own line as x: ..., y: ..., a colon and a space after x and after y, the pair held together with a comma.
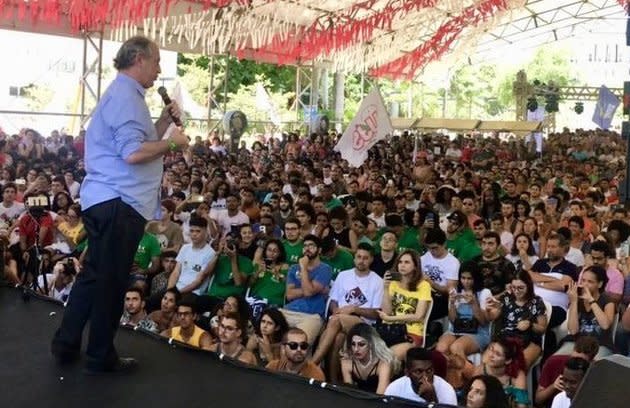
x: 63, y: 355
x: 122, y: 366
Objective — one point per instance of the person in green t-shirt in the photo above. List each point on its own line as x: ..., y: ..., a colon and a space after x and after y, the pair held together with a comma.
x: 292, y: 243
x: 231, y: 273
x: 407, y: 237
x: 326, y: 192
x: 337, y: 258
x: 268, y: 281
x: 461, y: 240
x: 148, y: 252
x: 146, y: 260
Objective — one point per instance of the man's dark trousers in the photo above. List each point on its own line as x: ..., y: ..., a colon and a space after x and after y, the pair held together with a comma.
x: 114, y: 230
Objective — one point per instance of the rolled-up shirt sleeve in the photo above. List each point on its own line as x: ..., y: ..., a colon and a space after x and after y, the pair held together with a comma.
x: 128, y: 131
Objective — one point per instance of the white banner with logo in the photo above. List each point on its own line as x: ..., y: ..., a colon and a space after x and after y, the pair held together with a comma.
x: 371, y: 124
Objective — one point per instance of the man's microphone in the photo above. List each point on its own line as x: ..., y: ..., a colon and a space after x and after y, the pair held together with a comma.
x: 167, y: 101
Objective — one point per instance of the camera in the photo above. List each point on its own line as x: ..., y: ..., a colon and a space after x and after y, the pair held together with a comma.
x: 37, y: 204
x: 68, y: 266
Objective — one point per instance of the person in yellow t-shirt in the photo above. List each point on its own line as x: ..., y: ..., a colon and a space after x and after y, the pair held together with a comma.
x: 71, y: 226
x: 406, y: 299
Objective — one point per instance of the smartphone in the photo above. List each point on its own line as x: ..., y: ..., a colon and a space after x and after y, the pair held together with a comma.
x: 580, y: 291
x: 234, y: 230
x: 262, y: 229
x: 395, y: 276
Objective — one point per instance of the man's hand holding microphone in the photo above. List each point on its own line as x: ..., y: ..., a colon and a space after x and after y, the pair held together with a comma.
x: 176, y: 138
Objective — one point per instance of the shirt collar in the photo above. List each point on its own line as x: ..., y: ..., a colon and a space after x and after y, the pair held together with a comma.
x: 126, y: 79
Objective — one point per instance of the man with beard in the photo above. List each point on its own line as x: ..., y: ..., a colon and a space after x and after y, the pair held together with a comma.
x: 355, y: 296
x: 134, y: 314
x: 293, y: 245
x: 420, y: 383
x: 285, y: 210
x: 496, y: 270
x: 307, y: 285
x: 572, y: 376
x: 296, y: 345
x: 231, y: 340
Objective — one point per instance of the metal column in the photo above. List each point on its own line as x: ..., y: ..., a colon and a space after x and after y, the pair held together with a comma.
x: 303, y: 84
x: 92, y: 42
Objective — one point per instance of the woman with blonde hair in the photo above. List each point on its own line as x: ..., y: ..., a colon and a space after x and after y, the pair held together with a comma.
x: 367, y: 362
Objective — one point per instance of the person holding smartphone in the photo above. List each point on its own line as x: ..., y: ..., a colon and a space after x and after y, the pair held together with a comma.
x: 406, y: 299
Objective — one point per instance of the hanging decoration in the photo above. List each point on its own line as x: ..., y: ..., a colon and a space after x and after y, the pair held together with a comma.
x: 331, y: 32
x: 579, y: 107
x: 393, y: 38
x: 440, y: 42
x: 93, y: 14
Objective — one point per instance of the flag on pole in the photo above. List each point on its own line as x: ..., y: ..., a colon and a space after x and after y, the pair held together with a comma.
x: 264, y: 103
x: 605, y: 109
x: 370, y: 125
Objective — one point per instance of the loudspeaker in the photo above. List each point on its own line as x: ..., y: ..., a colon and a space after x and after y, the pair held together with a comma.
x: 605, y: 384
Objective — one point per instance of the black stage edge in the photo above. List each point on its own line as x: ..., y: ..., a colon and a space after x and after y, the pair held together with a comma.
x: 169, y: 375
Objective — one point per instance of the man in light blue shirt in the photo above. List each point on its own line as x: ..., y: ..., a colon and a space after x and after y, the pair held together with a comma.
x: 124, y: 153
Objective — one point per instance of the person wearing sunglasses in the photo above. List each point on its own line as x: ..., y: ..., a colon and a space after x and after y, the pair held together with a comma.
x: 295, y: 345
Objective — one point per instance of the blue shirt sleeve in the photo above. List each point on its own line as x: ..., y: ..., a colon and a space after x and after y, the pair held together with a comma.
x: 128, y: 131
x: 292, y: 278
x: 323, y: 274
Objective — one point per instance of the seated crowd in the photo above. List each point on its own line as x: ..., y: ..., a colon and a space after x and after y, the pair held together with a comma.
x: 447, y: 277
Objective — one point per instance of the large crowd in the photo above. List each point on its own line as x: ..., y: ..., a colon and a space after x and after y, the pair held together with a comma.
x: 445, y: 269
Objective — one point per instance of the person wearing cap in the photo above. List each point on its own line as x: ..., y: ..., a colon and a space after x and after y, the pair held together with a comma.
x: 461, y: 241
x: 400, y: 208
x: 330, y: 201
x: 338, y: 258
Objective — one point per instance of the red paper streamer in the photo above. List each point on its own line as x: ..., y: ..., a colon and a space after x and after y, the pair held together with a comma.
x: 333, y: 32
x: 431, y: 50
x: 93, y: 14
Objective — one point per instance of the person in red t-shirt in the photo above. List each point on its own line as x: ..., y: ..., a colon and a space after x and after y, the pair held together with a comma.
x: 35, y: 228
x: 550, y: 382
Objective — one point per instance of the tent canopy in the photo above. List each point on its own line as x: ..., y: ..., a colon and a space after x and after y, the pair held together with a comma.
x: 392, y: 38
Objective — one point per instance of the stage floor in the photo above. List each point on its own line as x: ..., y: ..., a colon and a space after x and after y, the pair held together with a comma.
x: 168, y: 376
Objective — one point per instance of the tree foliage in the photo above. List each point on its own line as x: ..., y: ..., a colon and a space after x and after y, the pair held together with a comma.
x: 480, y: 92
